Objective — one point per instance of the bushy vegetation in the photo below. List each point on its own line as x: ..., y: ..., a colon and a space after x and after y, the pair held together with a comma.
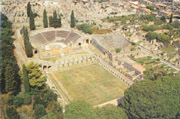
x: 83, y: 110
x: 86, y: 28
x: 149, y: 27
x: 118, y: 50
x: 151, y: 7
x: 151, y: 35
x: 164, y: 38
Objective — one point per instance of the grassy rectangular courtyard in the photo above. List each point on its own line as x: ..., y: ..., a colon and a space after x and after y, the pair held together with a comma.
x: 91, y: 83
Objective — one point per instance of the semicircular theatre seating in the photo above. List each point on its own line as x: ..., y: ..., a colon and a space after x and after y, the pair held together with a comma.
x: 44, y: 37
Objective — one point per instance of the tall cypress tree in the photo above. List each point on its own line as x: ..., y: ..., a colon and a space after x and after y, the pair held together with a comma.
x: 27, y: 44
x: 171, y: 18
x: 73, y: 20
x: 10, y: 79
x: 31, y: 21
x: 28, y: 9
x: 45, y: 21
x: 51, y: 21
x: 59, y: 22
x: 55, y: 20
x: 25, y: 78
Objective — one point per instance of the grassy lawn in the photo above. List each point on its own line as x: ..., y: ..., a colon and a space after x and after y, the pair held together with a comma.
x: 92, y: 83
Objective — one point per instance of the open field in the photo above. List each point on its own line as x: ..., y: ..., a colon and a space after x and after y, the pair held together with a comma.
x: 91, y: 83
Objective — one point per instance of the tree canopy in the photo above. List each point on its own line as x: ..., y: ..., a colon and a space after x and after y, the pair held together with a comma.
x: 158, y: 99
x: 34, y: 75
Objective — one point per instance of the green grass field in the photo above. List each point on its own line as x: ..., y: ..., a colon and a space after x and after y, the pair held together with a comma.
x: 91, y: 83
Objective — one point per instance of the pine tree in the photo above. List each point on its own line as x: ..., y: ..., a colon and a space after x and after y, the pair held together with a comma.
x: 27, y: 44
x: 31, y: 21
x: 25, y: 78
x: 45, y: 21
x: 171, y: 18
x: 73, y: 20
x: 29, y: 9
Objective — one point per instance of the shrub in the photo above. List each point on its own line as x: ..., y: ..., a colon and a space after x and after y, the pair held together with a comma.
x: 118, y: 50
x: 176, y: 24
x: 149, y: 28
x: 169, y: 27
x: 18, y: 101
x: 27, y: 99
x: 39, y: 111
x: 164, y: 38
x: 151, y: 35
x: 85, y: 28
x: 150, y: 7
x: 12, y: 113
x: 10, y: 100
x: 49, y: 96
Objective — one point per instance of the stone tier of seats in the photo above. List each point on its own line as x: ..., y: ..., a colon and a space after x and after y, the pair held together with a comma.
x: 50, y: 35
x: 38, y: 39
x: 62, y: 34
x: 72, y: 37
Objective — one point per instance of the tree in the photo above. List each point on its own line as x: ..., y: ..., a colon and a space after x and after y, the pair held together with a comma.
x: 49, y: 96
x: 28, y: 9
x: 31, y: 21
x: 45, y: 21
x: 171, y: 18
x: 26, y: 81
x: 55, y: 20
x: 34, y: 75
x: 79, y: 110
x: 158, y: 99
x: 110, y: 112
x: 59, y: 22
x: 51, y: 21
x: 10, y: 79
x: 12, y: 113
x: 39, y: 111
x: 27, y: 44
x: 73, y: 20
